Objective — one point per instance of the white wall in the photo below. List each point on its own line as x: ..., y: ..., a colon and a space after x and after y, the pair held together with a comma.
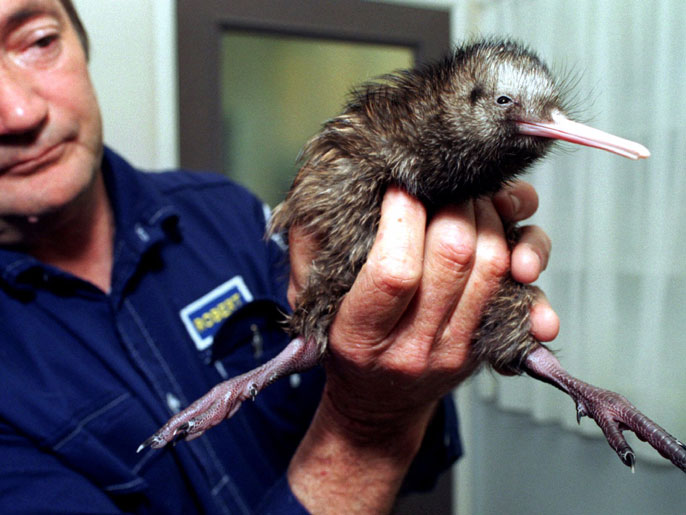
x: 133, y: 66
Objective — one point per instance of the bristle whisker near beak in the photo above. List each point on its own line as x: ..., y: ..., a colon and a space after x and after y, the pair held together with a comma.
x: 572, y: 102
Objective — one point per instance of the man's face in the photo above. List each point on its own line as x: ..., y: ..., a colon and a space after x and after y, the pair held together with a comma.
x: 50, y: 126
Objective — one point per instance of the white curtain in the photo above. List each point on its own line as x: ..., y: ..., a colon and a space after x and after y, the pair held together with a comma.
x: 617, y: 275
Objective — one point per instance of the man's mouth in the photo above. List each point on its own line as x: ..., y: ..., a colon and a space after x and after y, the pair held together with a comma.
x: 34, y: 161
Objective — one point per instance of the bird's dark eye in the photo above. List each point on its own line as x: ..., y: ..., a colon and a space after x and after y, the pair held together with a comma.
x: 503, y: 99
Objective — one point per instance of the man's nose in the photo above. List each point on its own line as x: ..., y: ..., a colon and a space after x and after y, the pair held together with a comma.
x: 22, y: 109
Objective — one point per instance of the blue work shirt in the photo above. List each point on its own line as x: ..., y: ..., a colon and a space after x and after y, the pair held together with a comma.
x: 86, y: 376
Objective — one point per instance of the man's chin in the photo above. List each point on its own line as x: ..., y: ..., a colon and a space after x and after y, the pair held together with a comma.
x: 33, y: 221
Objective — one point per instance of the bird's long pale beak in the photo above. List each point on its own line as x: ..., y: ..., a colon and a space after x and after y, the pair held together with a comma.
x: 565, y: 129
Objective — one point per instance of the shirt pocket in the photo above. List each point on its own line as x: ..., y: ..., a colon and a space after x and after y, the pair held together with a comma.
x: 97, y: 445
x: 101, y: 444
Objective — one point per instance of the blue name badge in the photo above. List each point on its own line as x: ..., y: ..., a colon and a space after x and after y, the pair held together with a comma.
x: 204, y: 316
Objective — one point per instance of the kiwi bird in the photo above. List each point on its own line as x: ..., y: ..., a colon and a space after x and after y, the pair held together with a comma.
x: 446, y: 132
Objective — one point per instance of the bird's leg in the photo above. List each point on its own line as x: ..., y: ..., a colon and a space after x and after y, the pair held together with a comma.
x: 223, y: 400
x: 612, y: 412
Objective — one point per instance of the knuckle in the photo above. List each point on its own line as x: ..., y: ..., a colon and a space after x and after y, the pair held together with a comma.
x: 394, y: 276
x: 494, y: 259
x: 412, y: 365
x: 460, y: 249
x: 456, y: 245
x: 452, y: 237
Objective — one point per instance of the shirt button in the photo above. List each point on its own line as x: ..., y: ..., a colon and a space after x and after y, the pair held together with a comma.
x: 294, y: 379
x: 173, y: 403
x: 142, y: 233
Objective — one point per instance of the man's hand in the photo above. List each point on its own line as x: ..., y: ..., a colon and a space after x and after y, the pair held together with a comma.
x: 401, y: 339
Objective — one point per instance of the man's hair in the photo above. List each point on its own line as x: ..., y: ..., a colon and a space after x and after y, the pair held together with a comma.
x: 76, y: 22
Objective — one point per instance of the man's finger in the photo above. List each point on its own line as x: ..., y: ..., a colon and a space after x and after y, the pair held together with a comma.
x: 302, y: 250
x: 545, y: 324
x: 516, y: 202
x: 390, y: 277
x: 530, y: 255
x: 449, y: 253
x: 490, y: 265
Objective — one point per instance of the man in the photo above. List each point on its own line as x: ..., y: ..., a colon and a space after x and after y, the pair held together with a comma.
x: 112, y: 282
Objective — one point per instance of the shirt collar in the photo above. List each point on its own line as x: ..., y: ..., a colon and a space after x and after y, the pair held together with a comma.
x: 143, y: 216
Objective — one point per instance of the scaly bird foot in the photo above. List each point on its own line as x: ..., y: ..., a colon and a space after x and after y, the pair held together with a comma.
x: 612, y: 412
x: 225, y: 399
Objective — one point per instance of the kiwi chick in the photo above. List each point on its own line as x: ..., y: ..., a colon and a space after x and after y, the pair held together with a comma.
x: 447, y: 132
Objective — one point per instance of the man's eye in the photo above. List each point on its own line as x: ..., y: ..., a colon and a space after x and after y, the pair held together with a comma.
x: 45, y: 41
x: 41, y: 49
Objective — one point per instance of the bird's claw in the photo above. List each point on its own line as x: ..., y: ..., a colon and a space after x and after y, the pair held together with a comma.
x: 580, y: 412
x: 154, y: 442
x: 219, y: 403
x: 182, y: 431
x: 629, y: 459
x: 252, y: 391
x: 223, y: 400
x: 612, y: 412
